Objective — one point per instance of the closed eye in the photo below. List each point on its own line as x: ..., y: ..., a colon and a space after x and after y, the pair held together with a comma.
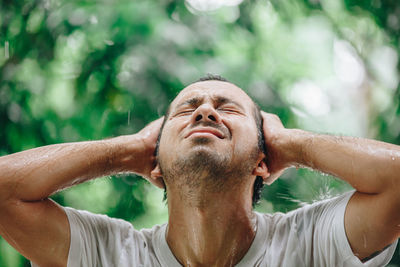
x: 184, y: 112
x: 229, y: 109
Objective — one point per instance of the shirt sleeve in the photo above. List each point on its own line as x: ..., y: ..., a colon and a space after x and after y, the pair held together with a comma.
x: 96, y: 240
x: 324, y: 226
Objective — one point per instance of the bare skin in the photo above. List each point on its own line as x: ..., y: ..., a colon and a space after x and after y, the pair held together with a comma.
x: 372, y: 220
x: 208, y: 228
x: 29, y: 220
x: 224, y: 222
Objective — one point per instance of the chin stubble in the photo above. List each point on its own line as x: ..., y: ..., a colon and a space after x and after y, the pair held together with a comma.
x: 206, y: 170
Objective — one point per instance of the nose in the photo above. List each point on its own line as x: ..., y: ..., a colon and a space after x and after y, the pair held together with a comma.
x: 206, y: 112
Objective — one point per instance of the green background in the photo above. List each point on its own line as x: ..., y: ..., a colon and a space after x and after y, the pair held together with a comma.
x: 87, y: 70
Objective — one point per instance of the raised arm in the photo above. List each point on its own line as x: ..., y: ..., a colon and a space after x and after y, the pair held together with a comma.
x: 35, y: 225
x: 372, y: 219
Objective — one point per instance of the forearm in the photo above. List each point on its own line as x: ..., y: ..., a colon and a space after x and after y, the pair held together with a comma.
x: 37, y: 173
x: 369, y: 166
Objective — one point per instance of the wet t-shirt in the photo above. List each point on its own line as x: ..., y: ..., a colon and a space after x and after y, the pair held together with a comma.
x: 312, y: 235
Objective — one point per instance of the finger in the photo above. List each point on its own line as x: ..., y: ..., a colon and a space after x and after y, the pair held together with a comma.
x: 153, y: 128
x: 272, y: 178
x: 158, y: 122
x: 159, y: 182
x: 271, y: 119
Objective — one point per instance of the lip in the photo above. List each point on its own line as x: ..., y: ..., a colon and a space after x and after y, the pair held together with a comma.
x: 206, y: 130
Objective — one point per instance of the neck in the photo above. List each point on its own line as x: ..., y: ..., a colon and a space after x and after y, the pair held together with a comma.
x: 217, y: 231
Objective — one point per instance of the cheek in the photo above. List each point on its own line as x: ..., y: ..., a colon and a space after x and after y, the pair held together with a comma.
x: 170, y: 136
x: 245, y: 138
x: 165, y: 142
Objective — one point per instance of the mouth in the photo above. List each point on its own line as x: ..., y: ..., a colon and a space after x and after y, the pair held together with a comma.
x: 205, y: 131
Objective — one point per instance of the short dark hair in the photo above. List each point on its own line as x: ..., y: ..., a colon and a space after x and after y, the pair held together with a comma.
x: 212, y: 77
x: 258, y: 183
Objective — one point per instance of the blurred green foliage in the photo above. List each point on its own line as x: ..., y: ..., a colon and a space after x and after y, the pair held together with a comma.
x: 84, y: 70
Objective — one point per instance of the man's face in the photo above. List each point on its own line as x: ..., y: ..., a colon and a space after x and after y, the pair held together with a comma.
x: 210, y: 130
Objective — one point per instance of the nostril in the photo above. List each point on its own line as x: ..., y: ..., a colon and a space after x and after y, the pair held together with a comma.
x: 199, y: 117
x: 211, y: 117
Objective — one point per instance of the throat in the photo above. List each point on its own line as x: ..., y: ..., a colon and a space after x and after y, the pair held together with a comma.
x: 204, y: 238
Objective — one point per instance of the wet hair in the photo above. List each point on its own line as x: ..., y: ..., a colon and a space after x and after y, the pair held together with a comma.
x: 212, y: 77
x: 258, y: 183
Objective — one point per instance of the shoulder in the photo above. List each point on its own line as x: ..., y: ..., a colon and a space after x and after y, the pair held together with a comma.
x: 101, y: 223
x: 309, y: 234
x: 332, y: 206
x: 314, y: 235
x: 98, y: 223
x: 98, y: 239
x: 313, y: 224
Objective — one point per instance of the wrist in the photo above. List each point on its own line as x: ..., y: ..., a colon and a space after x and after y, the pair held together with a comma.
x: 288, y: 147
x: 298, y: 142
x: 124, y: 153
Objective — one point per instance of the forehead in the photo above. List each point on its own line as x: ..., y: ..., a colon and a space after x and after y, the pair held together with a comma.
x: 213, y: 90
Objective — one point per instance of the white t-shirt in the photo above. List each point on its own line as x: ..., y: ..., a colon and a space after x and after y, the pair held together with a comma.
x: 313, y: 235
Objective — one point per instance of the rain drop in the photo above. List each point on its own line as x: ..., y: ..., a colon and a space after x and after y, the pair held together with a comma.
x: 6, y: 50
x: 109, y: 42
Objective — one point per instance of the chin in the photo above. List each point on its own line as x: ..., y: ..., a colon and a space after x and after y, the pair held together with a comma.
x: 203, y: 159
x: 202, y: 141
x: 201, y: 152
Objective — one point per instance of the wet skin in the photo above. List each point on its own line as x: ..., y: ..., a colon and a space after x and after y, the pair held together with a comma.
x: 38, y: 228
x: 208, y: 227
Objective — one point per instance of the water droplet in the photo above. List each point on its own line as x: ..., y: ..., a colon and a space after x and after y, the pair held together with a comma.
x: 93, y: 19
x: 6, y: 50
x: 365, y: 240
x: 109, y: 42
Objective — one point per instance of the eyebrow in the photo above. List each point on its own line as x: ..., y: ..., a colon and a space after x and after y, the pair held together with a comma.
x: 191, y: 102
x: 220, y: 100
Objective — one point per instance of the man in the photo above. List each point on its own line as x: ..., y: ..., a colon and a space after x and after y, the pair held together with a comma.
x: 208, y: 159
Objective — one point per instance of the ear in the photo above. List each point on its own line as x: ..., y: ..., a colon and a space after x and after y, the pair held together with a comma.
x: 261, y: 169
x: 156, y: 177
